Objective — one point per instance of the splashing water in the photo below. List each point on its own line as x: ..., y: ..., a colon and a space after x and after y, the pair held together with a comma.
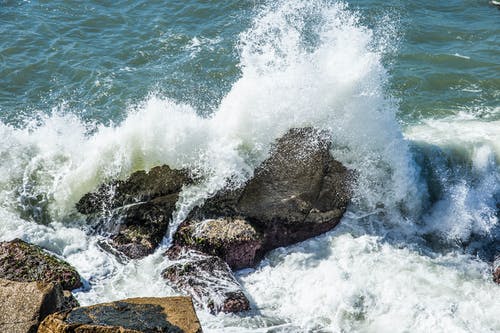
x: 302, y: 63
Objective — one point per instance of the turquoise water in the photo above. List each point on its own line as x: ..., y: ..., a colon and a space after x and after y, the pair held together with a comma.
x: 96, y: 59
x: 408, y: 91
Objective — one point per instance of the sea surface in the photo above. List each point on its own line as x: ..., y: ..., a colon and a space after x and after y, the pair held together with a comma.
x: 408, y: 90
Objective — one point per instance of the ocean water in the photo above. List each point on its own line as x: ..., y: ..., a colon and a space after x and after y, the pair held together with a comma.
x: 409, y: 92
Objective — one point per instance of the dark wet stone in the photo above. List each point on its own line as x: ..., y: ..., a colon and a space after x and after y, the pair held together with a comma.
x: 24, y: 262
x: 135, y: 213
x: 139, y: 187
x: 207, y: 279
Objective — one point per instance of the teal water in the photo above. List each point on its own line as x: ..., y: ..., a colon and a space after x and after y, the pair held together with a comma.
x: 408, y: 91
x: 96, y: 59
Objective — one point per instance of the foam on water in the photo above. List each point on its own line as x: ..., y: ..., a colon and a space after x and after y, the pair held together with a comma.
x: 303, y: 63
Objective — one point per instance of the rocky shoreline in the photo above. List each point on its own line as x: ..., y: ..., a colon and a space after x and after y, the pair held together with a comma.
x: 297, y: 193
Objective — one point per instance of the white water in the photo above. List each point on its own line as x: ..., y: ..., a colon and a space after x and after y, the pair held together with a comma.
x: 374, y: 273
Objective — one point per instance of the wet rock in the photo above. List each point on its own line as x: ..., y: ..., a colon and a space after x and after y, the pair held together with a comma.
x: 234, y: 240
x: 24, y: 262
x: 496, y: 269
x: 299, y: 192
x: 139, y: 228
x: 135, y: 213
x: 208, y: 279
x: 25, y: 304
x: 139, y: 187
x: 148, y: 315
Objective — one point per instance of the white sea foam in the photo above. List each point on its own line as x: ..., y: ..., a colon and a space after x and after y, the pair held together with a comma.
x: 333, y: 79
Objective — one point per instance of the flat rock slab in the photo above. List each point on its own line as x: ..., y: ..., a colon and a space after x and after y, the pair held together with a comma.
x: 24, y: 262
x: 208, y: 279
x: 24, y: 305
x: 148, y: 315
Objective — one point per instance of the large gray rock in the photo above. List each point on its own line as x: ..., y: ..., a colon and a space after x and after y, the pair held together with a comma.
x: 24, y: 262
x: 207, y: 279
x: 25, y: 304
x: 134, y: 315
x: 299, y: 192
x: 135, y: 213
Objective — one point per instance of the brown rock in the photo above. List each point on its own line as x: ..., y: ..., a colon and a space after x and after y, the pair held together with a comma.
x: 134, y: 315
x: 207, y: 279
x: 24, y: 262
x: 234, y: 240
x: 25, y: 304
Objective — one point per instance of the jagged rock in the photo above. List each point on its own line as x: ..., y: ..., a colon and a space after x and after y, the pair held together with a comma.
x: 299, y: 192
x: 496, y: 269
x: 134, y: 315
x: 25, y: 304
x: 208, y: 279
x: 139, y: 187
x: 24, y: 262
x: 135, y: 213
x: 234, y: 240
x: 139, y: 228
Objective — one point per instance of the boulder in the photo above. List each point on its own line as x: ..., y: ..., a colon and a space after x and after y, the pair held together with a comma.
x: 233, y: 239
x: 25, y: 304
x: 135, y: 213
x: 139, y: 187
x: 208, y: 279
x: 134, y: 315
x: 24, y: 262
x: 299, y: 192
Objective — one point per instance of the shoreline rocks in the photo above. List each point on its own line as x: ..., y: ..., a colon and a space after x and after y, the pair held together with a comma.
x: 297, y: 193
x: 148, y: 315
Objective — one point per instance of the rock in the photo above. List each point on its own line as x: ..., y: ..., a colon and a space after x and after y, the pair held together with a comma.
x: 496, y: 269
x: 139, y: 187
x: 134, y: 315
x: 139, y: 228
x: 135, y: 213
x: 25, y: 304
x: 23, y: 262
x: 234, y: 240
x: 208, y: 279
x: 299, y: 192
